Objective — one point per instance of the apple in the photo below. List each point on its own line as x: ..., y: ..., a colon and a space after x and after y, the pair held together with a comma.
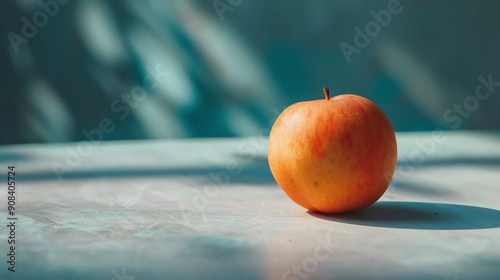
x: 333, y: 155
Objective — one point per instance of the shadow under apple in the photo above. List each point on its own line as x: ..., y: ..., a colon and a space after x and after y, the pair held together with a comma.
x: 418, y: 215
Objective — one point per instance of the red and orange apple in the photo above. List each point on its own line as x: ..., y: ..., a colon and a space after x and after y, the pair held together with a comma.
x: 333, y: 155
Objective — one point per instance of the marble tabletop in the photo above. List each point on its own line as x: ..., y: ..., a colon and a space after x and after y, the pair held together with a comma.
x: 210, y: 209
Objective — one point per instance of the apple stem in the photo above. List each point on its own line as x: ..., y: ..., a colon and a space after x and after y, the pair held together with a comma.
x: 326, y: 91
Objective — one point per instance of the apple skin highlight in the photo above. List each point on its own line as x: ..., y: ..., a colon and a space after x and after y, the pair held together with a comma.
x: 333, y: 155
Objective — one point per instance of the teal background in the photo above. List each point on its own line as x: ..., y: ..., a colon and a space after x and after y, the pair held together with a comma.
x: 229, y: 75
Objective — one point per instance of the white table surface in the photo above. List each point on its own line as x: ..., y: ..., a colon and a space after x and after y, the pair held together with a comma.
x: 136, y: 210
